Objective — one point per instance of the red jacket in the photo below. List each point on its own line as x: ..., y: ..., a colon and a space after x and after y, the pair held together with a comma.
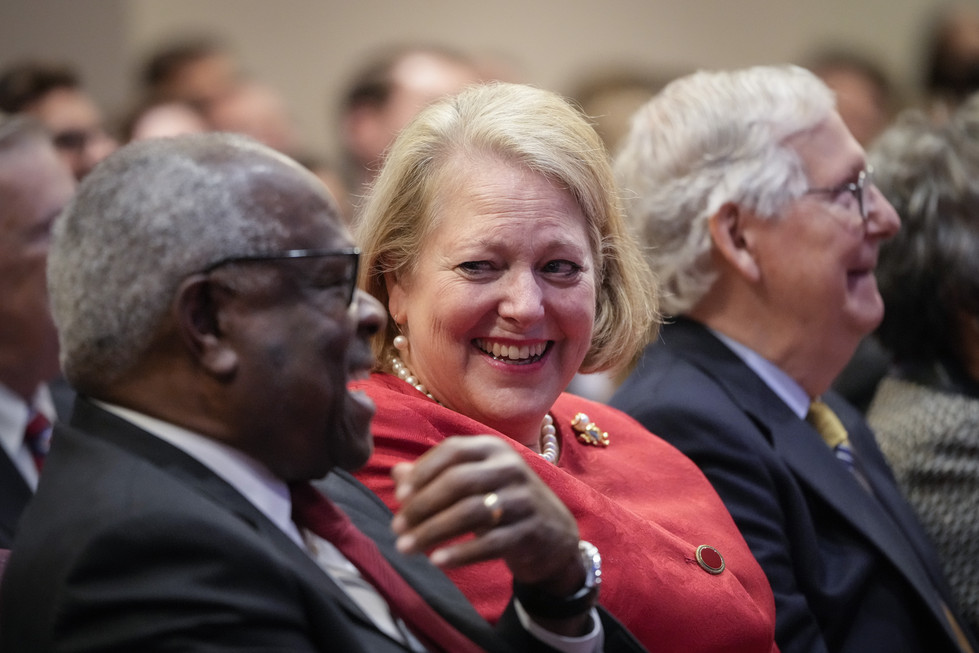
x: 640, y: 501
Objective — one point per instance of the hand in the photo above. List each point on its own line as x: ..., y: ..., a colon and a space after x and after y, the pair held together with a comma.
x: 443, y: 496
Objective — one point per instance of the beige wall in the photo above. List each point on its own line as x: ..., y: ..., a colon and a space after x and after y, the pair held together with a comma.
x: 307, y: 48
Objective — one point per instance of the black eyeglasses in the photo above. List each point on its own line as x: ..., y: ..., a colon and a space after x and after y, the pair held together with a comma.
x: 858, y: 188
x: 345, y: 279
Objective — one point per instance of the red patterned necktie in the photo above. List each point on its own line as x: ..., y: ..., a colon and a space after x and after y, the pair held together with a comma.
x: 313, y: 511
x: 36, y: 437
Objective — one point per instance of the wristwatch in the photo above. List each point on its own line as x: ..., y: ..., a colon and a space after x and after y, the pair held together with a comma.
x: 545, y: 605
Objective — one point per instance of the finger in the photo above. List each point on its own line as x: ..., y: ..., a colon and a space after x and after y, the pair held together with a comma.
x: 451, y: 451
x: 502, y: 467
x: 455, y: 485
x: 401, y: 474
x: 468, y: 515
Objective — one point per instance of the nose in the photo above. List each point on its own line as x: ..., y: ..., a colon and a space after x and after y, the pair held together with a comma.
x: 523, y: 298
x: 370, y: 314
x: 882, y: 220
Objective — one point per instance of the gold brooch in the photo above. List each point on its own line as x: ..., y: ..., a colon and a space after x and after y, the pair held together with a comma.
x: 588, y: 432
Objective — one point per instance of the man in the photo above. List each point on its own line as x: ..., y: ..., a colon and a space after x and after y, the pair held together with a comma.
x: 53, y: 94
x: 34, y: 187
x: 200, y: 70
x: 763, y: 223
x: 386, y: 94
x: 204, y: 291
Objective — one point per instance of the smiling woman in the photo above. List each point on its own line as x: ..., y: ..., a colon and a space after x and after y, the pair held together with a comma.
x: 493, y: 236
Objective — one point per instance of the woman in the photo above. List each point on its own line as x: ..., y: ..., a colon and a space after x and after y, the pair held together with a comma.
x: 926, y: 411
x: 494, y: 237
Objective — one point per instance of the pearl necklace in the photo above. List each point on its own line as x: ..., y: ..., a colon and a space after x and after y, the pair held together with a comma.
x: 548, y: 434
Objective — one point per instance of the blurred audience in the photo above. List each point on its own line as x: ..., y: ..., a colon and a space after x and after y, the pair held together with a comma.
x: 926, y: 411
x: 34, y: 187
x: 385, y: 94
x: 53, y: 93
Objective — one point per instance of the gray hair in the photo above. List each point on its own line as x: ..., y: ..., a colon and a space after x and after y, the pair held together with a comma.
x: 708, y: 139
x: 929, y: 272
x: 542, y: 132
x: 148, y: 216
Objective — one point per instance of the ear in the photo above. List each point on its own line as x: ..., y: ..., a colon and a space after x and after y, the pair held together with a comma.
x: 198, y: 308
x: 397, y: 297
x: 733, y: 237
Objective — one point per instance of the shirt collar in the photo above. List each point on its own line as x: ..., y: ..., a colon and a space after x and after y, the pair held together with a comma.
x: 14, y: 415
x: 773, y: 376
x: 253, y: 480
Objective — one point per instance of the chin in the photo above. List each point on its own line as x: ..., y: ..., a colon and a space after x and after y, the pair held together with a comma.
x: 353, y: 443
x: 354, y: 459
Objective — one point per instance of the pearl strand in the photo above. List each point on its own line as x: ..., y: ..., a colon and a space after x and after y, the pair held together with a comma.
x: 402, y: 372
x: 548, y: 439
x: 549, y: 450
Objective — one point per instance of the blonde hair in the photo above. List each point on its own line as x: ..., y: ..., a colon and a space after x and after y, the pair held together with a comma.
x: 542, y: 132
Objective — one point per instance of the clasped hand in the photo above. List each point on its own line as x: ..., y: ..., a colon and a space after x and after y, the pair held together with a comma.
x: 445, y: 494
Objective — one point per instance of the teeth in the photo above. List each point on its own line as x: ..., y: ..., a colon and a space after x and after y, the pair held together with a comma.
x: 512, y: 352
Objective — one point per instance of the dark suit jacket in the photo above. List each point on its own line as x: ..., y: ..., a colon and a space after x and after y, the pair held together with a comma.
x: 131, y: 545
x: 14, y: 495
x: 850, y: 572
x: 14, y: 491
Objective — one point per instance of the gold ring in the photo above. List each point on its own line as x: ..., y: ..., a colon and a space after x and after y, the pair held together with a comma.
x: 492, y: 503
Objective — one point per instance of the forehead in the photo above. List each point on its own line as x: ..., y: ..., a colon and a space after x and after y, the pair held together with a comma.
x: 829, y: 153
x: 33, y: 182
x: 66, y: 108
x: 483, y: 193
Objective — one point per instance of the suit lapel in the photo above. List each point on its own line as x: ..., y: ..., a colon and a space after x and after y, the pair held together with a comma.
x: 14, y: 495
x: 373, y: 518
x: 810, y: 460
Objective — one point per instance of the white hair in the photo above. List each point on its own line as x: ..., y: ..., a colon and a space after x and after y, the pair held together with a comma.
x: 708, y: 139
x: 148, y: 216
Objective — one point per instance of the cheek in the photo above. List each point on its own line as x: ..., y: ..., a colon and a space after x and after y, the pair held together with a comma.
x: 447, y: 313
x: 574, y: 311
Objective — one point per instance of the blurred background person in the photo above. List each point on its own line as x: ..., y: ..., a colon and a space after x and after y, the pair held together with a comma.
x: 159, y: 119
x: 34, y: 187
x: 493, y: 236
x: 385, y: 94
x: 198, y: 69
x: 53, y: 93
x: 951, y: 57
x: 610, y: 97
x: 256, y: 109
x: 926, y: 411
x: 866, y: 98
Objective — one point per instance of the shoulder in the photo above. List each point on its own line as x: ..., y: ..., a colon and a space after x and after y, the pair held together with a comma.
x: 151, y: 568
